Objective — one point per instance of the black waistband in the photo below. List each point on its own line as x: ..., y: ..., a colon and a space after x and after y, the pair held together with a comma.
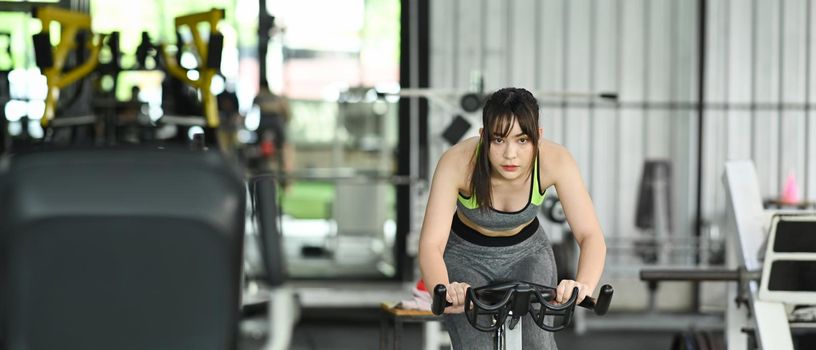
x: 471, y: 235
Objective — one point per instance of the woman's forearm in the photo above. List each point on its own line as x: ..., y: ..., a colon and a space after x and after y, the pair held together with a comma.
x: 433, y: 268
x: 591, y: 260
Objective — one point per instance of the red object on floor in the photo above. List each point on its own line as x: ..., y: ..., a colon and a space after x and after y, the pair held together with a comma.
x: 421, y: 286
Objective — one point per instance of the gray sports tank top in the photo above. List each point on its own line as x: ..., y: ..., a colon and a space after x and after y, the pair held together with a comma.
x: 497, y: 220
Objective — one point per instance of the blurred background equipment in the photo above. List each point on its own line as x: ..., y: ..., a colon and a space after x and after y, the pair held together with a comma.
x: 5, y: 93
x: 771, y: 271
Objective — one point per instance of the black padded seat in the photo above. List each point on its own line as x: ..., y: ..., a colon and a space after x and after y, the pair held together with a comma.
x: 120, y: 249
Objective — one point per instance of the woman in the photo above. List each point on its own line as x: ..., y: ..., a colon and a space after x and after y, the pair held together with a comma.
x: 480, y: 224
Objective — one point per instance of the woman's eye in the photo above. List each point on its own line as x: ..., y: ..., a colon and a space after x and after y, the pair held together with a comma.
x: 523, y: 140
x: 498, y: 140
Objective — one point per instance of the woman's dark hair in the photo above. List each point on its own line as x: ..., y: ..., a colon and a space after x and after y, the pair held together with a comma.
x: 501, y: 109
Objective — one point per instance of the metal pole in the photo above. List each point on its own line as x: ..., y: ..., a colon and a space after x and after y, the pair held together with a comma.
x: 701, y: 57
x: 698, y: 275
x: 266, y: 24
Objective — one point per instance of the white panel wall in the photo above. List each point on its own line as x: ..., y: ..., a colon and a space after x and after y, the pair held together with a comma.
x: 792, y: 89
x: 605, y: 121
x: 685, y: 60
x: 550, y: 68
x: 577, y: 127
x: 630, y: 134
x: 739, y: 143
x: 716, y: 68
x: 766, y: 92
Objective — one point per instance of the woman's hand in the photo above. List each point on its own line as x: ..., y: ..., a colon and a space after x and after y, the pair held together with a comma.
x: 457, y: 292
x: 564, y: 291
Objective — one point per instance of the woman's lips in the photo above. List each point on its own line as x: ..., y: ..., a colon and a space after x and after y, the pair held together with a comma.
x: 510, y: 167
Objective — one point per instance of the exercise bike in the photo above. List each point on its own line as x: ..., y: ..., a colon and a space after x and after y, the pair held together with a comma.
x: 488, y: 308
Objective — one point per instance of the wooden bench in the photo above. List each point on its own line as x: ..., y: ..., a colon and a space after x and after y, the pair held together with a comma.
x: 393, y: 319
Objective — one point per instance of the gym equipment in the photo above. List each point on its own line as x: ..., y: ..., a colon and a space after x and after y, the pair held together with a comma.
x: 360, y: 238
x: 5, y: 37
x: 283, y: 307
x: 209, y: 58
x: 654, y: 197
x: 362, y: 115
x: 653, y: 214
x: 5, y: 93
x: 74, y: 109
x: 773, y: 272
x: 393, y: 319
x: 340, y: 238
x: 456, y: 130
x: 120, y: 248
x: 471, y: 102
x: 697, y: 340
x: 553, y: 209
x: 554, y: 221
x: 145, y: 50
x: 52, y: 61
x: 102, y: 109
x: 488, y: 308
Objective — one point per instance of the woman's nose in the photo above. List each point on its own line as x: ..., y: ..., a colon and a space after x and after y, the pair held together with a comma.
x: 510, y: 152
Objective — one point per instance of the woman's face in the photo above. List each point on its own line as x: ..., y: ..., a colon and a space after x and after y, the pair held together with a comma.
x: 511, y: 156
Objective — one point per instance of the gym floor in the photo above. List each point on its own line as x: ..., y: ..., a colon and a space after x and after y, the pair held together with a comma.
x: 359, y: 329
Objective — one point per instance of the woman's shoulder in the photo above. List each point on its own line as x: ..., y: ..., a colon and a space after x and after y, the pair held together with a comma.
x: 551, y: 150
x: 553, y: 156
x: 457, y: 162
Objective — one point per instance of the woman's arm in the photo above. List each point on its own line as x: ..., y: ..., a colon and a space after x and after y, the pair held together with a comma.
x: 436, y: 227
x: 584, y: 225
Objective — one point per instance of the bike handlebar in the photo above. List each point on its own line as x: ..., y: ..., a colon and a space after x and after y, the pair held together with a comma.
x: 599, y: 305
x: 440, y: 301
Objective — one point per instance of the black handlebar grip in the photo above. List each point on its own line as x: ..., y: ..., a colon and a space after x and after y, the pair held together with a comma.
x: 601, y: 305
x: 439, y: 299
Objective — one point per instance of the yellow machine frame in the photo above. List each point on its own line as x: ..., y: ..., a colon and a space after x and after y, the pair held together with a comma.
x: 70, y: 22
x: 206, y: 74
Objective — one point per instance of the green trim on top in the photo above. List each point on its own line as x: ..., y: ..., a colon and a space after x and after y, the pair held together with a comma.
x: 468, y: 202
x: 536, y: 197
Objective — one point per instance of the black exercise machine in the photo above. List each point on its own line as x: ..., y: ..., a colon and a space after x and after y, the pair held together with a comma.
x: 120, y: 249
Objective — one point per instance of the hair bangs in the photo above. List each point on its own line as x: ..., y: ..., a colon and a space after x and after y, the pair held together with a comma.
x: 528, y: 124
x: 503, y: 124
